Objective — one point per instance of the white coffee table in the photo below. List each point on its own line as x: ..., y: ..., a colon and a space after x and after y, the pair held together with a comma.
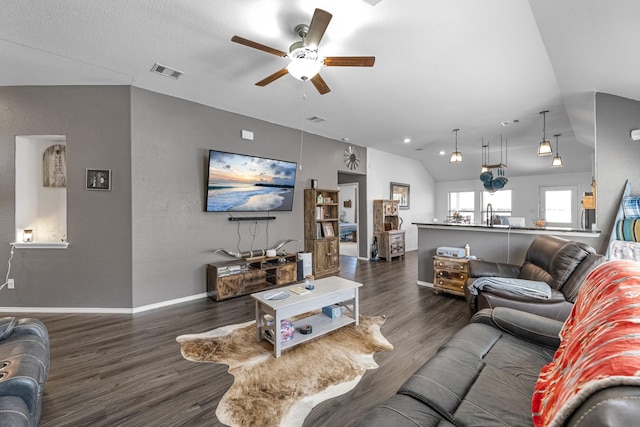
x: 328, y: 291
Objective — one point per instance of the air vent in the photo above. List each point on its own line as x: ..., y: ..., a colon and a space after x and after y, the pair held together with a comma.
x: 166, y: 71
x: 316, y: 119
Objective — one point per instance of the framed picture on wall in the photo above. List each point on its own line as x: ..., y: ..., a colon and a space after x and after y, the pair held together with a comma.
x: 99, y: 179
x: 400, y: 192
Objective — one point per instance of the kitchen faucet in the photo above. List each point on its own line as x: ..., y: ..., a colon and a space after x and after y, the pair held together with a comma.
x: 489, y: 215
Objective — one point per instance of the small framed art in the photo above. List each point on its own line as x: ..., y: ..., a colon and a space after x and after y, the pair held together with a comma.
x: 328, y: 230
x: 99, y: 179
x: 400, y: 192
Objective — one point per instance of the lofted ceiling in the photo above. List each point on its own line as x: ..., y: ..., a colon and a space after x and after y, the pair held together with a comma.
x: 440, y: 65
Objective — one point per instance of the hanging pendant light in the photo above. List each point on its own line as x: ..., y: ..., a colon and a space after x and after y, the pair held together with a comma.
x: 557, y: 160
x: 544, y: 148
x: 456, y: 156
x: 485, y: 160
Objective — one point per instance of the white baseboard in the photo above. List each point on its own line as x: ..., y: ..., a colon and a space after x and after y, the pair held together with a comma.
x: 71, y: 310
x: 101, y: 310
x: 427, y: 284
x: 167, y: 303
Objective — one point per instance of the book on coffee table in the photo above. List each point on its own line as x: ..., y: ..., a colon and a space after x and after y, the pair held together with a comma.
x: 299, y: 290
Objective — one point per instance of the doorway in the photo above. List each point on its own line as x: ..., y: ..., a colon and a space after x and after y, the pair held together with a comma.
x: 360, y: 203
x: 348, y: 218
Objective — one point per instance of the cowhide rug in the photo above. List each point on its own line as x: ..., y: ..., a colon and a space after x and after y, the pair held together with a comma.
x: 281, y: 392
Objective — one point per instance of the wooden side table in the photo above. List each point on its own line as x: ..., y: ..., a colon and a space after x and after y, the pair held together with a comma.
x: 450, y: 274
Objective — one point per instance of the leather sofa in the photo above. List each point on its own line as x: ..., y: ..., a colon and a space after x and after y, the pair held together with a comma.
x: 562, y: 264
x: 510, y: 367
x: 24, y: 367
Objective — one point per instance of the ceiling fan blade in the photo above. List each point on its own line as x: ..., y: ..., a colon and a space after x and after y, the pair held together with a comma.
x: 349, y: 61
x: 320, y: 84
x: 249, y: 43
x: 273, y: 77
x: 317, y: 27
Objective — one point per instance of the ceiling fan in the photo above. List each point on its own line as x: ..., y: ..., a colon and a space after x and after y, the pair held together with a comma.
x: 305, y: 63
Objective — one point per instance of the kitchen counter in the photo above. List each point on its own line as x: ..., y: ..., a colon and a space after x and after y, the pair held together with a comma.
x: 559, y: 231
x: 499, y: 243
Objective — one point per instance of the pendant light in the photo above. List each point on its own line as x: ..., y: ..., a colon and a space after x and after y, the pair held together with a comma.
x: 456, y: 156
x: 485, y: 157
x: 544, y: 148
x: 557, y: 160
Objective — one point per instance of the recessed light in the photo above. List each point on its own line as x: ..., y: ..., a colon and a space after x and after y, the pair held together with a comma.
x: 406, y: 140
x: 442, y: 152
x: 345, y: 139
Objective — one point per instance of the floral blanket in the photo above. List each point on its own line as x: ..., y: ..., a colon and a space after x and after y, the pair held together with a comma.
x: 600, y: 344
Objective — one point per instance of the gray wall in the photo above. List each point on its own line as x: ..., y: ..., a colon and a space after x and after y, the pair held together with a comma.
x: 173, y: 238
x: 617, y: 158
x: 148, y: 240
x: 95, y: 270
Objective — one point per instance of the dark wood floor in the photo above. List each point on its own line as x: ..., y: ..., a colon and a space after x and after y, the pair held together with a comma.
x: 122, y: 370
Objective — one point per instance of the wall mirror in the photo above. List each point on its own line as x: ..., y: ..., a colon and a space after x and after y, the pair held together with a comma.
x: 400, y: 192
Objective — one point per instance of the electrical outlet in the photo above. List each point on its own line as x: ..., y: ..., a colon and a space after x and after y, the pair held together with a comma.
x: 10, y: 284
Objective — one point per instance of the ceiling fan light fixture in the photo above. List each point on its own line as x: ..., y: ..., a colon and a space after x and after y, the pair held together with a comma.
x: 303, y: 68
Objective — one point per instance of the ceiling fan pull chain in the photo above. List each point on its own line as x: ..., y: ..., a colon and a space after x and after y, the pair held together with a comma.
x: 304, y: 99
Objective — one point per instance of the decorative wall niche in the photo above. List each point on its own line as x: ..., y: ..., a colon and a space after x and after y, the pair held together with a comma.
x: 41, y: 191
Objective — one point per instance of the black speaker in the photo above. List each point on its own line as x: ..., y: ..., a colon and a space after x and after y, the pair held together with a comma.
x: 300, y: 270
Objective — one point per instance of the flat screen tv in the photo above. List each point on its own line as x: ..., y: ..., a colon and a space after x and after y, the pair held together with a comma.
x: 242, y: 183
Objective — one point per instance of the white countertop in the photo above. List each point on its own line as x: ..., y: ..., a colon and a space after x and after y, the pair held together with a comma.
x: 506, y: 229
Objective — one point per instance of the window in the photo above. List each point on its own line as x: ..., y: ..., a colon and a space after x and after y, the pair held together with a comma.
x: 559, y: 206
x: 500, y: 205
x: 461, y: 207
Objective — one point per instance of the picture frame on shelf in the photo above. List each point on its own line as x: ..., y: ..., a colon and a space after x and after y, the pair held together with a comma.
x: 98, y: 179
x: 401, y: 193
x: 328, y: 230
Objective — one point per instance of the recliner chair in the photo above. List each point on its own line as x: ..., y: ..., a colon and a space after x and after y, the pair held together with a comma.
x: 560, y: 263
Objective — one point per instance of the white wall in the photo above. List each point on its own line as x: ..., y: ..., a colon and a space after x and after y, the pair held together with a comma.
x: 383, y: 169
x: 524, y: 197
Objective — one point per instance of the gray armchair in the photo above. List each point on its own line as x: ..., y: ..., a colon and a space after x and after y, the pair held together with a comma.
x: 562, y: 264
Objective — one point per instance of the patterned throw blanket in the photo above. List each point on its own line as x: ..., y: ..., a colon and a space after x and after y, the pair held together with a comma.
x: 600, y: 344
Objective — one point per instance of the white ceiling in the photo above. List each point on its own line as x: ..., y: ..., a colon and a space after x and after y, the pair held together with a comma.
x: 440, y: 65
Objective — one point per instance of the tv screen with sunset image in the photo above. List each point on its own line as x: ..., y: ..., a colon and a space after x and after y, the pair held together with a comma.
x: 243, y: 183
